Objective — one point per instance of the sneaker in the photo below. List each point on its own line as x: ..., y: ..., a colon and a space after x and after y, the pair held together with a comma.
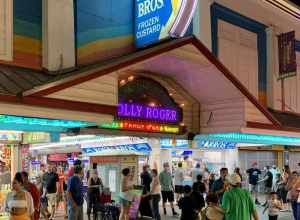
x: 257, y: 202
x: 175, y: 214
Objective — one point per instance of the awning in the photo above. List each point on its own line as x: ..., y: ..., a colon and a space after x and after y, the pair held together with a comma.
x: 226, y: 104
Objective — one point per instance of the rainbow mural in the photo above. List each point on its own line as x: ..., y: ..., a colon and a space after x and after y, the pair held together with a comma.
x: 27, y: 41
x: 104, y: 29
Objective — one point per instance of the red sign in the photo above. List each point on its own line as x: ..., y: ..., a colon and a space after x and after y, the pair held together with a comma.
x: 105, y: 159
x: 58, y: 157
x: 287, y: 55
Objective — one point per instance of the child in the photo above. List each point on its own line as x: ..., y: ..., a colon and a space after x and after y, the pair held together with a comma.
x: 212, y: 211
x: 274, y: 206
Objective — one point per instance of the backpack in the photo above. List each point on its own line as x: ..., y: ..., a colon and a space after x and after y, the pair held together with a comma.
x: 203, y: 214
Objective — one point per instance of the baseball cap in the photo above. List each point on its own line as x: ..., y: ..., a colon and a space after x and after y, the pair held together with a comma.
x: 234, y: 179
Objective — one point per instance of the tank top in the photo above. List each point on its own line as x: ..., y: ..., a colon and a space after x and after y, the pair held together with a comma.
x: 95, y: 190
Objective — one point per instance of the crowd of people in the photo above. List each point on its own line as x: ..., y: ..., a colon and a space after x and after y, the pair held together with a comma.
x: 52, y: 189
x: 227, y: 197
x: 207, y: 198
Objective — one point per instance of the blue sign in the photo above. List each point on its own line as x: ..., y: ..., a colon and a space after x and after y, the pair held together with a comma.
x: 159, y: 19
x: 216, y: 145
x: 141, y: 148
x: 170, y: 143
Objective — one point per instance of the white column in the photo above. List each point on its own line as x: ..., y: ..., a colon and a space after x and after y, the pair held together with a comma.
x: 58, y: 35
x: 15, y: 163
x: 204, y: 22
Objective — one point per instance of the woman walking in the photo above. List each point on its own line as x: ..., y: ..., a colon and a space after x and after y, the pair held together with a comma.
x: 19, y: 203
x: 155, y: 195
x: 125, y: 196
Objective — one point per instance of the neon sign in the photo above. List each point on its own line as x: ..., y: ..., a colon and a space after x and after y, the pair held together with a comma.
x: 141, y: 126
x: 159, y: 19
x: 142, y: 147
x: 216, y: 145
x: 143, y: 112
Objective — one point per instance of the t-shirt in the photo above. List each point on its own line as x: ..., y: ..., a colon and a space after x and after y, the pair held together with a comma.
x: 253, y: 175
x: 269, y: 181
x: 218, y: 185
x: 165, y: 180
x: 273, y: 207
x: 146, y: 180
x: 199, y: 187
x: 179, y: 177
x: 50, y: 180
x: 75, y: 187
x: 187, y: 206
x: 238, y: 204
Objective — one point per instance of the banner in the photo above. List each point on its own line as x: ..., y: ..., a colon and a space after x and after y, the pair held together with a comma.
x: 159, y: 19
x: 287, y: 55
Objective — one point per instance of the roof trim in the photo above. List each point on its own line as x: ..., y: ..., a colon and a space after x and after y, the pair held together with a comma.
x: 60, y: 104
x: 142, y: 55
x: 258, y: 125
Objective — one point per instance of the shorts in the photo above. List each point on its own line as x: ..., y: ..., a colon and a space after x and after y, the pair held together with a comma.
x: 125, y: 203
x: 167, y: 196
x: 179, y: 189
x: 253, y: 188
x: 51, y: 197
x: 268, y: 190
x: 60, y: 197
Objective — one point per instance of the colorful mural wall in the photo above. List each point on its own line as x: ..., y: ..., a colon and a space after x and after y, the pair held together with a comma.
x: 104, y: 29
x: 27, y: 42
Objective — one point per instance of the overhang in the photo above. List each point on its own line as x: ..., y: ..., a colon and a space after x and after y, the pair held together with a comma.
x: 185, y: 60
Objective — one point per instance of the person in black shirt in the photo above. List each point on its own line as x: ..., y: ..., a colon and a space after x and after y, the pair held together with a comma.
x: 199, y: 186
x: 50, y: 179
x: 218, y: 186
x: 268, y: 179
x: 254, y: 173
x: 197, y: 197
x: 187, y: 204
x: 146, y: 180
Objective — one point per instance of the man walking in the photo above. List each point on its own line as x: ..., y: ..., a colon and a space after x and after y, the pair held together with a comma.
x: 254, y: 173
x: 268, y: 179
x: 237, y: 202
x: 219, y: 186
x: 75, y: 195
x: 165, y: 179
x: 50, y: 180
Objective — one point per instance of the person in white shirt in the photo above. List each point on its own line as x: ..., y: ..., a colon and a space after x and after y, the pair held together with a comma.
x: 178, y: 181
x: 273, y: 206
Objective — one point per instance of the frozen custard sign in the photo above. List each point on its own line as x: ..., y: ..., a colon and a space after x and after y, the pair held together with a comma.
x: 159, y: 19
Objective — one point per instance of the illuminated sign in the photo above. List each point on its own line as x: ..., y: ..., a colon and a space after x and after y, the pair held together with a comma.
x: 36, y: 137
x: 142, y: 147
x: 174, y: 143
x: 159, y: 19
x: 141, y: 126
x: 216, y: 145
x: 135, y: 111
x: 10, y: 136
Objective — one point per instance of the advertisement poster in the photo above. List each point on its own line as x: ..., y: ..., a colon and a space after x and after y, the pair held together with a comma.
x: 134, y: 208
x: 159, y: 19
x: 287, y: 55
x: 25, y: 160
